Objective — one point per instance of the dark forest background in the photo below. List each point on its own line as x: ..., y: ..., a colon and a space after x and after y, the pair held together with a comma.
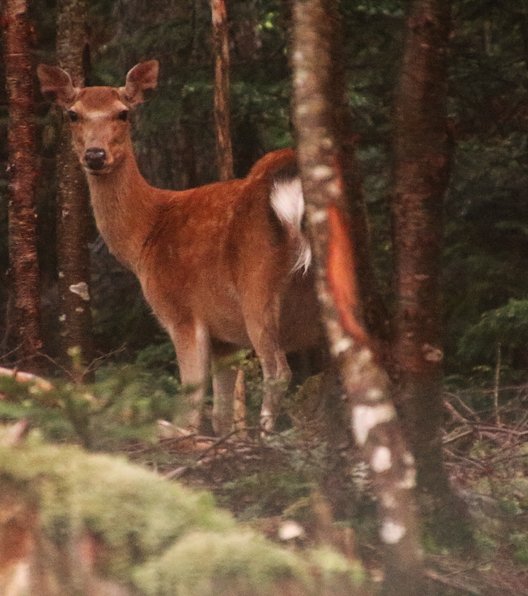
x: 486, y: 225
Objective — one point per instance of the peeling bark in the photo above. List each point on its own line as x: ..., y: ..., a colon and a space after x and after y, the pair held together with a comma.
x: 73, y: 209
x: 22, y: 171
x: 370, y: 409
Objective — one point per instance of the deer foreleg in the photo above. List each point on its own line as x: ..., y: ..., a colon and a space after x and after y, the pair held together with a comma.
x: 191, y: 343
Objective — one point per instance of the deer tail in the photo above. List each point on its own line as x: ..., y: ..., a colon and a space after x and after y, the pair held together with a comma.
x: 279, y: 169
x: 287, y: 201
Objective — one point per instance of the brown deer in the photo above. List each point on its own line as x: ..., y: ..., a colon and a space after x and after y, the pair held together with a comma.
x: 223, y: 266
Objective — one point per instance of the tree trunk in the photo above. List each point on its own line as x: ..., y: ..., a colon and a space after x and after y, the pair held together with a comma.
x: 372, y: 415
x: 73, y: 209
x: 422, y: 155
x: 22, y: 169
x: 222, y: 116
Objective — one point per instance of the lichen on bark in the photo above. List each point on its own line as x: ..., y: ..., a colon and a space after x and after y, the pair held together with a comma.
x: 370, y: 410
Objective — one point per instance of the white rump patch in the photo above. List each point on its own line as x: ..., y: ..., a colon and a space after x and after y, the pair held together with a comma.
x: 288, y: 203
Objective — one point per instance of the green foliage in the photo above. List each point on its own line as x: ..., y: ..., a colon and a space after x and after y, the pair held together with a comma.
x: 519, y: 541
x: 121, y: 405
x: 157, y: 356
x: 506, y: 326
x: 266, y: 492
x: 334, y: 564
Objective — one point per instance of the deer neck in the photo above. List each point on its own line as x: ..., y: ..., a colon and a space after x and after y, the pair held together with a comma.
x: 124, y: 206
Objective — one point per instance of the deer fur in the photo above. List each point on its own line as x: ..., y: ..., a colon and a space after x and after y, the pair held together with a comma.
x: 223, y: 266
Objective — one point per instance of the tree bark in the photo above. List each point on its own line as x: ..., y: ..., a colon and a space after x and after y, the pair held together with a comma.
x: 222, y: 116
x: 73, y: 209
x: 22, y: 171
x: 370, y: 410
x: 422, y: 156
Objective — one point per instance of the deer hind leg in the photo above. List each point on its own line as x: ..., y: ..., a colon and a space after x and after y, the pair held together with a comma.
x: 191, y: 342
x: 263, y: 331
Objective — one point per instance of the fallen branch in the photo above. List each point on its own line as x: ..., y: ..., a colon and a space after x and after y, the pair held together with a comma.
x: 25, y: 377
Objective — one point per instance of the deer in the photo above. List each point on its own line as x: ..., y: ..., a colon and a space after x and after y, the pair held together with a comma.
x: 224, y: 266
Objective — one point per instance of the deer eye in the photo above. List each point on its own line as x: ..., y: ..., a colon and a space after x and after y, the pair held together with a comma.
x: 73, y: 116
x: 123, y: 115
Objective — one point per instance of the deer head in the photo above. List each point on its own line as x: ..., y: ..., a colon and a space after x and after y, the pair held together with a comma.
x: 99, y: 115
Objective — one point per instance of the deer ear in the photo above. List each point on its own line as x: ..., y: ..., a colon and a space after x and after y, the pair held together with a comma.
x: 143, y: 77
x: 56, y: 84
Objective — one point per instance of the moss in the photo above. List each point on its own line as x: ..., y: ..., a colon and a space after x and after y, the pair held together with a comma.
x: 135, y: 513
x: 333, y: 567
x: 156, y: 535
x: 519, y: 541
x: 242, y: 560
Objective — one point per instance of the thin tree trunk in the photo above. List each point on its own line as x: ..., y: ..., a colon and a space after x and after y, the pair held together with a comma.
x: 222, y: 115
x: 23, y: 258
x: 372, y: 415
x: 422, y: 155
x: 224, y: 148
x: 73, y: 210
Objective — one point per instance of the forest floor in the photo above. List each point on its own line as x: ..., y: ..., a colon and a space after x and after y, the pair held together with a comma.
x: 283, y: 488
x: 301, y: 492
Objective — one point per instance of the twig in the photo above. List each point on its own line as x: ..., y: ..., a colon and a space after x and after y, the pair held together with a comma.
x: 452, y: 583
x: 464, y: 406
x: 496, y: 385
x: 460, y: 435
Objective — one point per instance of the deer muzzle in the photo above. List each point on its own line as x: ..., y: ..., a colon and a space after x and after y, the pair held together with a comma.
x: 95, y: 158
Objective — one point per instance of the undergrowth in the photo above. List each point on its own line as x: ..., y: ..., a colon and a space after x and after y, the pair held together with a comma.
x: 267, y: 483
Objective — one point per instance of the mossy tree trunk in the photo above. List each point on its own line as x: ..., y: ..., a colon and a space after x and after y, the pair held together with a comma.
x: 73, y: 209
x: 371, y: 413
x: 222, y: 113
x: 22, y: 171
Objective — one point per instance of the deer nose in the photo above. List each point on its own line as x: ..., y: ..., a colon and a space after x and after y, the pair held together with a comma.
x: 95, y: 158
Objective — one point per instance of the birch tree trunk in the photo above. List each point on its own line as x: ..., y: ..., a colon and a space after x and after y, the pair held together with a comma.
x: 22, y: 171
x: 222, y: 115
x: 370, y: 410
x: 73, y: 209
x: 422, y: 155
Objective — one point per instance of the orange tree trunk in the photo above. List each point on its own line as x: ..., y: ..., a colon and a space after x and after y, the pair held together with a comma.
x: 73, y: 210
x: 222, y: 115
x: 22, y: 171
